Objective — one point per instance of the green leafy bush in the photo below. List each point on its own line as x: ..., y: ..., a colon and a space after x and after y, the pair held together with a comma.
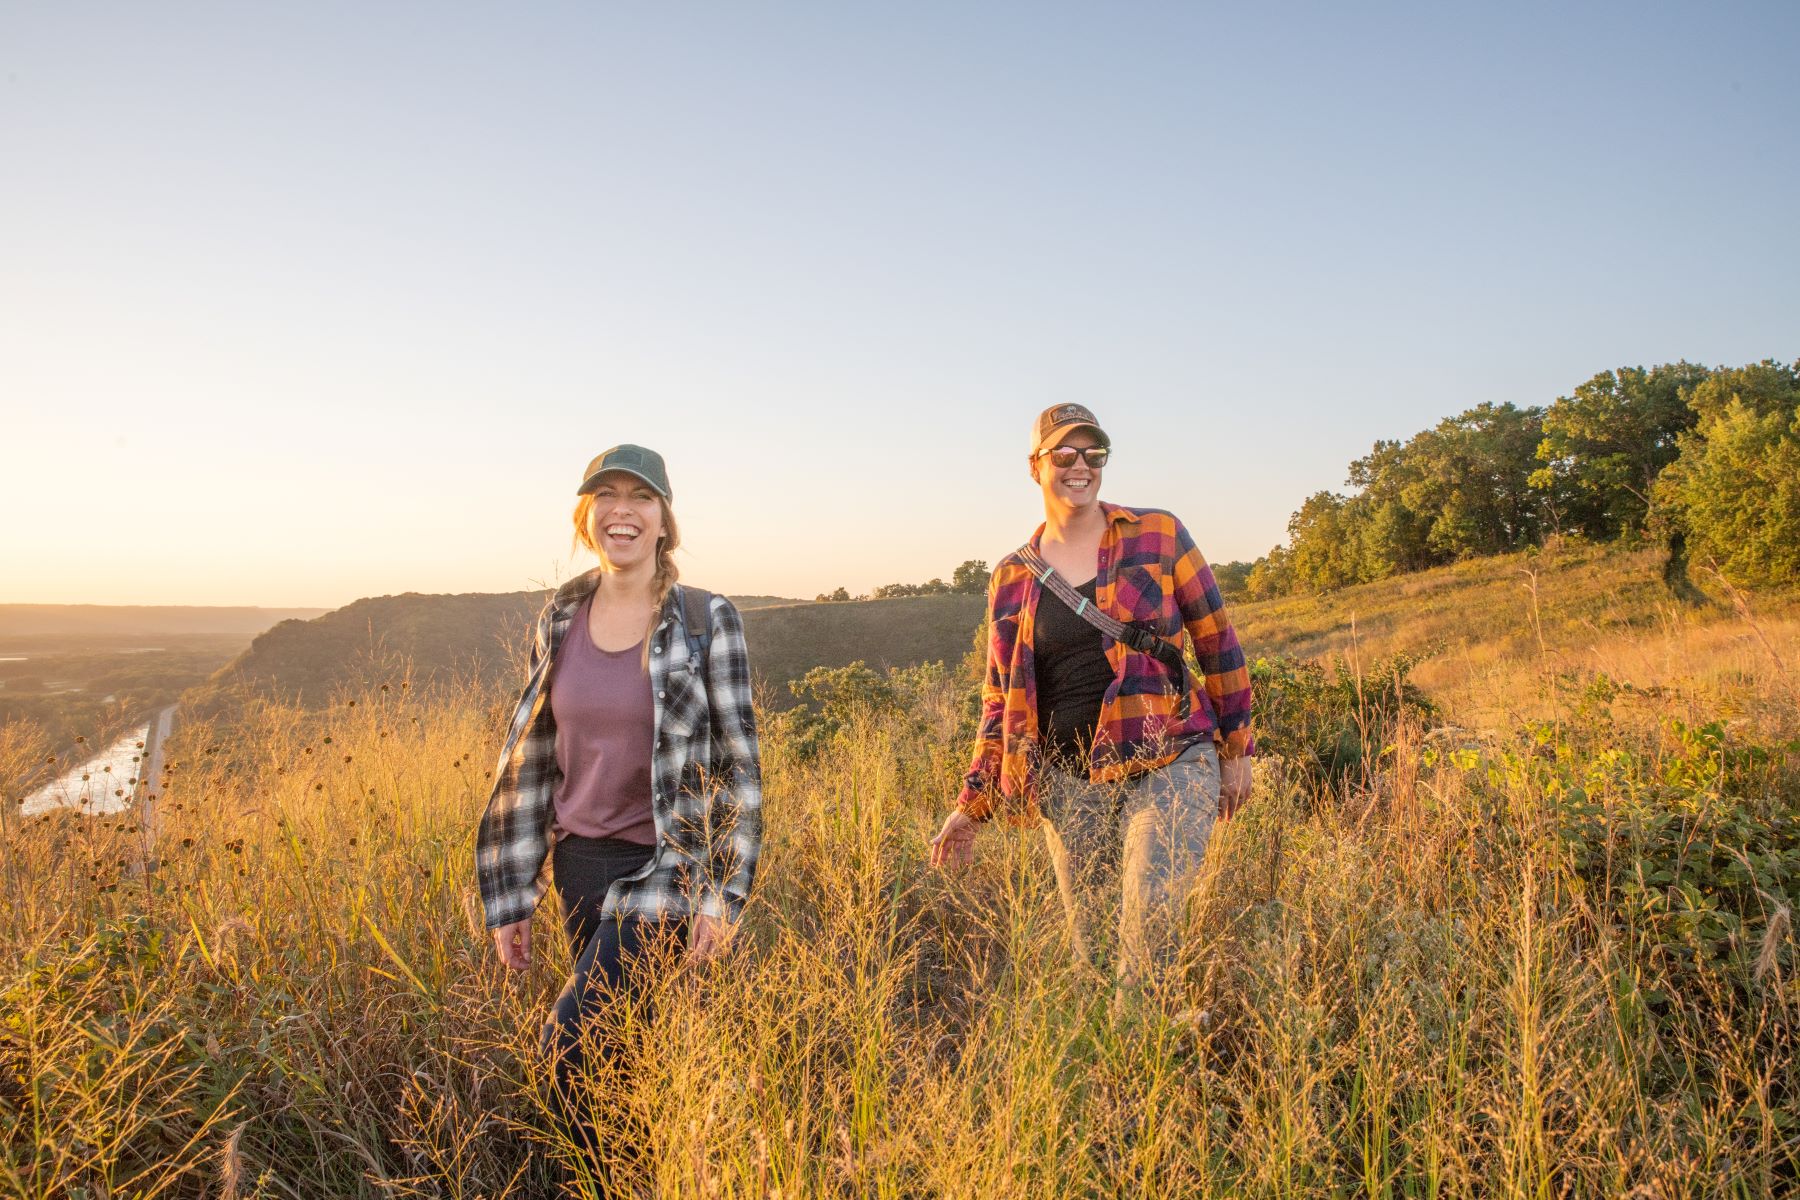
x: 1331, y: 723
x: 836, y: 699
x: 1692, y: 846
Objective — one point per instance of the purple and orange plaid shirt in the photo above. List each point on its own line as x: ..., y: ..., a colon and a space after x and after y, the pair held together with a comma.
x: 1150, y: 573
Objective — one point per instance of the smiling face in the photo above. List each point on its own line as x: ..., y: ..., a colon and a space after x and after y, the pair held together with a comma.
x: 626, y: 521
x: 1073, y: 487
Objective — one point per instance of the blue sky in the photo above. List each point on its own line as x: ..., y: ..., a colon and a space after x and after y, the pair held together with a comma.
x: 299, y: 306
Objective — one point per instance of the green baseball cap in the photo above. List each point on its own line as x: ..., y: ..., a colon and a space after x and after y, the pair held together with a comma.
x: 647, y: 465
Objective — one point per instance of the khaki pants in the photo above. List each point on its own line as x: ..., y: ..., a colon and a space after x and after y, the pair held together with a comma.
x: 1140, y: 842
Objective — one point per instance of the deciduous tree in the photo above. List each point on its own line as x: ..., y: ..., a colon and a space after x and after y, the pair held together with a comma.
x: 1604, y: 446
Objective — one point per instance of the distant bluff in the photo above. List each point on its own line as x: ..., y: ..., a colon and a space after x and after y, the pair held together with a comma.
x: 487, y: 636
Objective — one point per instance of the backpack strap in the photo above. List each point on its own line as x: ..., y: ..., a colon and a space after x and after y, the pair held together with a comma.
x: 696, y: 622
x: 1137, y: 637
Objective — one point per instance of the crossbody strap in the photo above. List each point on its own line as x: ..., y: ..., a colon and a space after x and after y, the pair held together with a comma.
x: 1143, y: 640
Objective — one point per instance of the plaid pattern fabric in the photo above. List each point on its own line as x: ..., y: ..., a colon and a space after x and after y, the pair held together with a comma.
x: 1151, y: 573
x: 705, y: 772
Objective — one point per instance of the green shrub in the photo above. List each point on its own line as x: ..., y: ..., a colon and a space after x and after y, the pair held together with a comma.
x: 1330, y: 724
x: 837, y: 699
x: 1692, y: 845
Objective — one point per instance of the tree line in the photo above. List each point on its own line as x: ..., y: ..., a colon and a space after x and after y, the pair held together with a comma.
x: 969, y: 579
x: 1706, y: 460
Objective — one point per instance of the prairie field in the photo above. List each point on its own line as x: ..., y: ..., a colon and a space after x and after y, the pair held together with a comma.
x: 1510, y: 914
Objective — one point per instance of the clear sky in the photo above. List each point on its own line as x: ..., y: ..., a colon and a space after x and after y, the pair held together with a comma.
x: 306, y: 302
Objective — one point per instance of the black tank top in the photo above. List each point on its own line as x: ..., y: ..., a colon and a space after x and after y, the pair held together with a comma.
x: 1072, y: 678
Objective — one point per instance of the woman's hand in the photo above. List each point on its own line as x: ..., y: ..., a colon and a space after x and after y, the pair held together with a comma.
x: 1234, y: 784
x: 955, y: 843
x: 513, y: 944
x: 708, y: 937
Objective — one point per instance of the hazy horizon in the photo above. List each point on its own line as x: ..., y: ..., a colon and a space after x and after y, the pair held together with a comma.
x: 307, y: 305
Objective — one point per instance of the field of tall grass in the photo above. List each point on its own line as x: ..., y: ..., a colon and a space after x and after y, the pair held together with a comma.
x: 1547, y: 954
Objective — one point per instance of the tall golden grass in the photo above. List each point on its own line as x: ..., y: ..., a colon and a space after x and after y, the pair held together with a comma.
x: 1403, y: 987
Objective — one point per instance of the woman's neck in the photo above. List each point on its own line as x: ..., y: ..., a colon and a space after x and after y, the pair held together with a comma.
x: 1065, y: 523
x: 635, y: 584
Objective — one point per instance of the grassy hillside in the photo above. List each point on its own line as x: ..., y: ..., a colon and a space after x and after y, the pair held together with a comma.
x: 1552, y: 956
x: 1475, y: 625
x: 1485, y: 602
x: 787, y: 642
x: 424, y: 637
x: 1557, y: 959
x: 747, y: 603
x: 1491, y: 631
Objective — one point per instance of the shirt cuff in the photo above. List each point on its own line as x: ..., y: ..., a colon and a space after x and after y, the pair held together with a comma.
x: 976, y: 803
x: 1239, y: 743
x: 719, y: 906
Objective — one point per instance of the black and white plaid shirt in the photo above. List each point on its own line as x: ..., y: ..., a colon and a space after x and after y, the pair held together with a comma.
x: 705, y: 774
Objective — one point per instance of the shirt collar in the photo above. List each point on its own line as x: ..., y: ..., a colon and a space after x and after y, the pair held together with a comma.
x: 569, y: 596
x: 1116, y: 514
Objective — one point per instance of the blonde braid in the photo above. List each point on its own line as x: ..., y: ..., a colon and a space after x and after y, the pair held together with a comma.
x: 666, y: 572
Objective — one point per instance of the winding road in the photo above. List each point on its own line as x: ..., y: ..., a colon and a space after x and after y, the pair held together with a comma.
x: 150, y: 771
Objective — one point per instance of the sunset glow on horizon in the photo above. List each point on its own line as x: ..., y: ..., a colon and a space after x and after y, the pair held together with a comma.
x: 312, y: 304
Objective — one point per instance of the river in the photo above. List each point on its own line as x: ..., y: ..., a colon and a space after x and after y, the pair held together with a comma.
x: 110, y: 781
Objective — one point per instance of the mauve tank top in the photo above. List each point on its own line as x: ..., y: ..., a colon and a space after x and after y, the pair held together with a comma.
x: 605, y: 725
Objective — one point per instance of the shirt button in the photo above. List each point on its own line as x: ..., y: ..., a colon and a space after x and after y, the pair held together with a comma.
x: 656, y: 650
x: 662, y: 695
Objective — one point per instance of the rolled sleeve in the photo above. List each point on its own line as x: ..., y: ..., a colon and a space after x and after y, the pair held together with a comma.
x: 512, y: 841
x: 1222, y: 666
x: 977, y: 796
x: 735, y: 818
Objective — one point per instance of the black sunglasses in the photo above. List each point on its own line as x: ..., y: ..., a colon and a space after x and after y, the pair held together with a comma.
x: 1065, y: 456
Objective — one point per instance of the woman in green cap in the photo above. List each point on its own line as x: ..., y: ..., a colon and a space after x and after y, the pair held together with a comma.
x: 630, y: 765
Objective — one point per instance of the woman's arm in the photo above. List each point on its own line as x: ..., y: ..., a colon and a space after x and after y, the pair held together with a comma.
x: 735, y: 818
x: 977, y: 797
x: 1222, y: 664
x: 510, y: 846
x: 954, y: 845
x: 1221, y: 659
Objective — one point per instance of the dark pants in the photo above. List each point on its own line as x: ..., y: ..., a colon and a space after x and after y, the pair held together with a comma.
x: 614, y: 961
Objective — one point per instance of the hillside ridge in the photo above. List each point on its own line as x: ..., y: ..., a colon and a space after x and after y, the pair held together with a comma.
x: 434, y: 636
x: 1465, y: 622
x: 1479, y: 627
x: 40, y: 621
